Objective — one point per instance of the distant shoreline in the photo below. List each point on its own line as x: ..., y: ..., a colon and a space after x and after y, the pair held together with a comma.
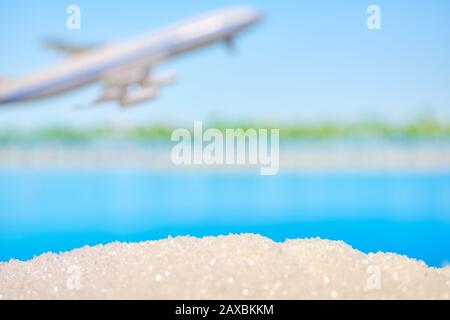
x: 292, y: 158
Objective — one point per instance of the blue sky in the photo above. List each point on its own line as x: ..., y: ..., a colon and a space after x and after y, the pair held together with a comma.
x: 309, y: 60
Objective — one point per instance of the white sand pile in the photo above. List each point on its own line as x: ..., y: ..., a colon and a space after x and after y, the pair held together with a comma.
x: 227, y: 267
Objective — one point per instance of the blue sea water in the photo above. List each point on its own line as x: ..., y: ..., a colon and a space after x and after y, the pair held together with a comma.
x: 406, y: 213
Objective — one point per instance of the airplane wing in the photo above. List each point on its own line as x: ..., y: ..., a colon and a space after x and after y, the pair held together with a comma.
x: 132, y: 86
x: 67, y: 48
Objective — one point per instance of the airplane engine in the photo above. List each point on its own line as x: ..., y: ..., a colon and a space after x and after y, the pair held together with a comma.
x: 139, y: 95
x: 160, y: 80
x: 111, y: 94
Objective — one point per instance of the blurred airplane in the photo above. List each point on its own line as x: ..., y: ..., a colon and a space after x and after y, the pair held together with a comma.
x: 125, y: 68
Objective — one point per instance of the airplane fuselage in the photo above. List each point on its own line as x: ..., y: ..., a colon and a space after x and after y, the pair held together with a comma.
x: 140, y: 53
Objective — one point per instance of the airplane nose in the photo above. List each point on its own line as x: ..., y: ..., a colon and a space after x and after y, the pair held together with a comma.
x: 248, y: 15
x: 257, y: 17
x: 254, y: 15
